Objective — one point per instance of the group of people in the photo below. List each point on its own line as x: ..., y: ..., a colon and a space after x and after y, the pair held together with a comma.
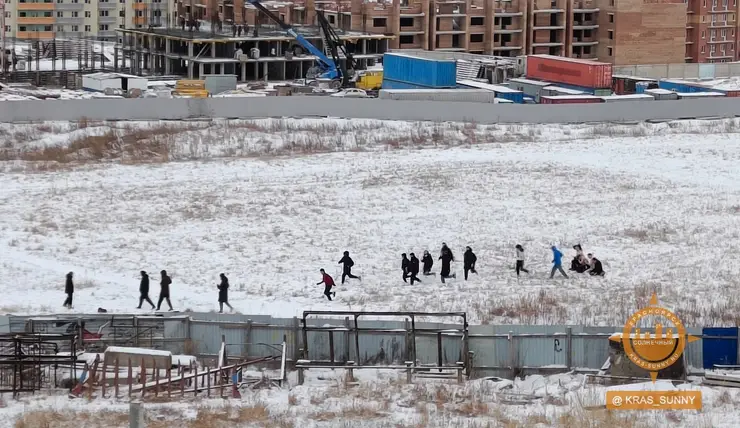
x: 164, y: 291
x: 579, y: 264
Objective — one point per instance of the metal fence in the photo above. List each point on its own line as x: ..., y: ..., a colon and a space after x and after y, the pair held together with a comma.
x: 497, y: 350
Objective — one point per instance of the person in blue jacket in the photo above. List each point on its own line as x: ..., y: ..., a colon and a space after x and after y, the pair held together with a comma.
x: 557, y: 262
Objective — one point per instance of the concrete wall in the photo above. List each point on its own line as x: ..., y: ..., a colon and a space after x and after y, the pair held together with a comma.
x: 681, y: 71
x: 173, y: 109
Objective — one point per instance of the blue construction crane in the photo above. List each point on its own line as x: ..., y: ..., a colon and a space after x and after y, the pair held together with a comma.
x: 328, y: 68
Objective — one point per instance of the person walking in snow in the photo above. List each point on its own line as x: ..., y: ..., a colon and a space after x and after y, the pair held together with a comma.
x: 557, y: 262
x: 347, y: 268
x: 69, y: 290
x: 164, y: 290
x: 405, y: 266
x: 428, y: 262
x: 469, y: 260
x: 414, y: 269
x: 223, y: 294
x: 328, y: 282
x: 144, y: 290
x: 445, y: 254
x: 520, y: 260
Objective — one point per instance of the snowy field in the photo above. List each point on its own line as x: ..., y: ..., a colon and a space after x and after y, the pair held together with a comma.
x: 270, y: 202
x: 383, y: 400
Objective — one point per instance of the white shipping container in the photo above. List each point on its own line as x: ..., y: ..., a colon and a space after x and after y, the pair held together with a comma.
x: 101, y: 81
x: 459, y: 95
x: 662, y: 94
x: 630, y: 97
x: 532, y: 88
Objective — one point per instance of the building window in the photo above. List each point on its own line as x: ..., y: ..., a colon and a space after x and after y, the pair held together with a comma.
x: 704, y: 3
x: 476, y: 38
x: 87, y: 28
x: 611, y: 18
x: 702, y: 49
x: 406, y: 39
x: 7, y: 28
x: 157, y: 13
x: 723, y: 34
x: 75, y: 14
x: 60, y: 28
x: 122, y: 13
x: 476, y: 20
x: 609, y: 51
x: 703, y: 34
x: 103, y: 27
x: 379, y: 22
x: 611, y: 34
x: 87, y: 14
x: 407, y: 22
x: 7, y: 14
x: 103, y: 13
x: 75, y: 28
x: 47, y: 27
x: 60, y: 14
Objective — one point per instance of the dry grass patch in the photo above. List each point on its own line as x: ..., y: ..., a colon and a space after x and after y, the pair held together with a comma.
x: 69, y: 419
x: 542, y: 308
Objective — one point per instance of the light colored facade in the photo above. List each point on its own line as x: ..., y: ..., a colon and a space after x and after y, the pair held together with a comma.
x: 49, y: 19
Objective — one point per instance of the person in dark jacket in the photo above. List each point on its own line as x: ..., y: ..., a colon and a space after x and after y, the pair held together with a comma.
x: 414, y: 269
x: 144, y: 290
x: 328, y: 282
x: 405, y: 266
x: 428, y: 262
x: 469, y: 260
x: 223, y: 294
x: 347, y: 268
x: 445, y: 254
x: 69, y: 290
x: 596, y: 268
x: 164, y: 291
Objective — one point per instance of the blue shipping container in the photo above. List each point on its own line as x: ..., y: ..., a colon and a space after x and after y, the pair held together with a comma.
x: 683, y: 87
x: 422, y: 72
x: 515, y: 96
x: 640, y: 87
x: 392, y: 84
x: 720, y: 347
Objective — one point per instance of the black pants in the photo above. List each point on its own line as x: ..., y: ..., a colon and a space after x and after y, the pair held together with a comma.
x: 405, y: 275
x: 145, y: 298
x: 469, y: 269
x: 68, y: 301
x: 520, y: 267
x: 327, y: 291
x: 594, y: 273
x: 347, y: 273
x: 445, y: 273
x: 163, y: 298
x: 413, y: 277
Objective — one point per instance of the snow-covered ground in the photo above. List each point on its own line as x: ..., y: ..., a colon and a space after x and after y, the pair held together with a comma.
x: 383, y: 399
x: 270, y: 202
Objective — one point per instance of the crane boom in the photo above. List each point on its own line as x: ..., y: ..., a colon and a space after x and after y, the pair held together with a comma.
x: 328, y: 67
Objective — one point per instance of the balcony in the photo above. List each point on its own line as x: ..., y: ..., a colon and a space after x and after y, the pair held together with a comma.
x: 719, y: 41
x: 548, y: 11
x: 443, y: 32
x: 70, y: 21
x: 139, y: 20
x: 35, y: 35
x: 506, y: 12
x: 107, y: 19
x: 35, y: 6
x: 36, y: 20
x: 586, y: 10
x: 107, y: 6
x: 546, y: 44
x: 720, y: 9
x: 507, y: 30
x: 139, y: 6
x: 720, y: 56
x: 722, y: 24
x: 585, y: 42
x: 589, y: 25
x: 548, y: 27
x: 75, y: 7
x: 507, y: 48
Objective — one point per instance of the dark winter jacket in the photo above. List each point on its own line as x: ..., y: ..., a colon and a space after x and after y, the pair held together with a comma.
x: 164, y: 291
x: 327, y: 280
x: 144, y: 286
x: 348, y: 263
x: 405, y: 264
x: 428, y: 262
x: 469, y: 259
x: 414, y: 265
x: 446, y: 255
x: 597, y: 267
x: 69, y: 287
x: 223, y: 290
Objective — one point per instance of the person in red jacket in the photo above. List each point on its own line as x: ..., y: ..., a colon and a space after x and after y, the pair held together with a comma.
x: 328, y: 282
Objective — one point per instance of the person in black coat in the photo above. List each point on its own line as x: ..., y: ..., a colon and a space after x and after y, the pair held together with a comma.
x: 447, y: 257
x: 428, y: 262
x: 347, y: 268
x: 414, y: 269
x: 223, y: 294
x: 69, y: 290
x: 144, y: 290
x: 596, y: 268
x: 164, y: 291
x: 469, y: 260
x: 405, y: 266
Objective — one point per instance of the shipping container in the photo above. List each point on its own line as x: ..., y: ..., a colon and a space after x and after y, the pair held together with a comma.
x: 531, y: 88
x: 662, y: 94
x: 459, y: 95
x: 570, y: 99
x: 572, y: 71
x: 630, y: 97
x: 626, y: 85
x: 694, y: 95
x: 503, y: 92
x: 551, y: 91
x: 681, y: 86
x: 421, y: 72
x: 598, y: 92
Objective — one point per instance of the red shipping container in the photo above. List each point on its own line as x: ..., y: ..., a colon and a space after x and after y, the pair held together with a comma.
x: 732, y: 94
x: 618, y: 86
x: 571, y: 99
x: 570, y: 71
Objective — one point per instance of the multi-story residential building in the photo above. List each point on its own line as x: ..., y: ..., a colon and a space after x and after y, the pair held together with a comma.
x: 711, y: 31
x: 47, y: 19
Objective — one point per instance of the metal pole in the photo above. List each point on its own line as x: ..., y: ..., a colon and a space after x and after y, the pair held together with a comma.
x: 2, y: 24
x: 135, y: 416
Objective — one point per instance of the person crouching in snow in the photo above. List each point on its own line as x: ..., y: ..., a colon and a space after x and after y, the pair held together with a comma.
x: 596, y: 268
x: 328, y: 282
x: 428, y: 262
x: 469, y: 260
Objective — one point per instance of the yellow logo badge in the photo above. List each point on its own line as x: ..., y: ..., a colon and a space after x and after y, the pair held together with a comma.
x: 654, y: 352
